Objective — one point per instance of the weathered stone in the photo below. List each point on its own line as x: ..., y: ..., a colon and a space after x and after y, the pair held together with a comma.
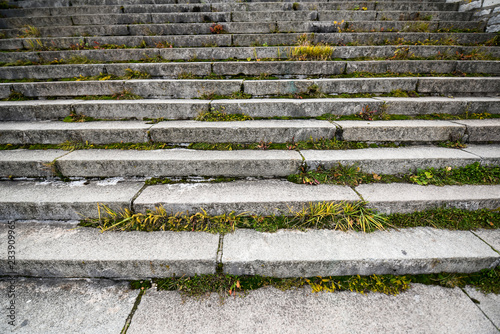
x: 276, y: 131
x: 401, y: 131
x: 110, y: 163
x: 183, y: 88
x: 390, y: 160
x: 399, y: 197
x: 29, y: 163
x: 429, y: 309
x: 482, y: 130
x: 488, y: 303
x: 462, y: 86
x: 489, y: 154
x: 259, y: 197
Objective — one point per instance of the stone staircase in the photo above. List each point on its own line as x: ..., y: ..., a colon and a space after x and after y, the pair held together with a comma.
x: 143, y: 71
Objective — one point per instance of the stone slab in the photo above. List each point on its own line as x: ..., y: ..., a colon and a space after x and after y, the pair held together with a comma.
x: 284, y: 69
x: 459, y: 86
x: 34, y: 110
x: 295, y: 107
x: 184, y: 89
x: 259, y: 196
x: 399, y: 197
x: 488, y: 303
x: 63, y: 200
x: 401, y: 131
x: 59, y: 132
x: 4, y: 91
x: 179, y: 162
x: 68, y: 306
x: 422, y: 309
x: 254, y: 131
x: 424, y: 105
x: 58, y: 251
x: 482, y: 130
x: 335, y: 253
x: 491, y: 237
x: 365, y: 85
x: 28, y: 163
x: 489, y: 154
x: 390, y: 160
x: 68, y: 88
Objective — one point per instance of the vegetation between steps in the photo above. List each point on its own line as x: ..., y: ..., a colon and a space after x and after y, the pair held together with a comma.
x: 199, y: 286
x: 353, y: 176
x: 327, y: 215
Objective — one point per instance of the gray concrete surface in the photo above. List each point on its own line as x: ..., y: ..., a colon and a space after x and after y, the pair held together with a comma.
x: 400, y: 197
x: 423, y: 309
x: 60, y: 132
x: 67, y: 306
x: 179, y: 162
x: 491, y: 237
x: 401, y: 131
x: 490, y: 154
x: 488, y: 303
x: 480, y: 131
x: 28, y: 163
x: 390, y: 160
x: 60, y: 251
x: 335, y: 253
x: 260, y: 197
x: 255, y: 131
x: 63, y: 200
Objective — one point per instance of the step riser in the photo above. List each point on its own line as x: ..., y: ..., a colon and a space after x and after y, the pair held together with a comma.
x: 155, y: 18
x: 222, y: 7
x: 345, y: 52
x: 242, y: 40
x: 256, y: 88
x: 189, y: 109
x: 276, y: 69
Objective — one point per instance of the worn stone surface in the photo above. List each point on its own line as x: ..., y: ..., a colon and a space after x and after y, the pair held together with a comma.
x: 488, y: 303
x: 482, y: 130
x: 336, y: 253
x: 491, y: 237
x: 63, y: 200
x: 179, y: 162
x: 295, y: 107
x: 280, y: 68
x: 28, y: 163
x: 365, y: 85
x: 462, y: 86
x: 260, y: 197
x: 59, y: 132
x: 34, y: 110
x: 67, y: 306
x: 59, y: 251
x: 390, y: 160
x: 423, y: 105
x: 68, y: 88
x: 182, y: 88
x: 422, y: 309
x: 401, y: 131
x: 276, y: 131
x: 399, y: 197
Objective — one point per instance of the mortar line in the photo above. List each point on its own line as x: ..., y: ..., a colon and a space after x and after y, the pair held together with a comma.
x: 128, y: 321
x: 480, y: 309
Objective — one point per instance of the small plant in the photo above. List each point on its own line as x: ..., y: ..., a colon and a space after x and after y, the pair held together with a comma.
x: 135, y: 74
x: 217, y: 28
x: 339, y: 25
x: 164, y: 45
x: 220, y: 116
x: 186, y: 75
x: 263, y: 145
x: 16, y: 96
x: 78, y: 118
x: 369, y: 115
x: 311, y: 52
x: 6, y: 5
x: 416, y: 27
x: 29, y: 31
x: 295, y: 6
x: 402, y: 54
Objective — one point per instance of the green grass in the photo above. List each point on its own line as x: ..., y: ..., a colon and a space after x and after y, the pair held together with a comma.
x: 199, y: 286
x: 220, y: 116
x: 475, y: 174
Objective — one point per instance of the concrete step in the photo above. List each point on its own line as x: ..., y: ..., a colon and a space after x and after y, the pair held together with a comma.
x: 243, y: 40
x: 230, y: 7
x: 42, y: 110
x: 206, y: 89
x: 67, y: 3
x: 86, y: 252
x: 243, y: 53
x: 103, y: 305
x: 273, y: 68
x: 183, y: 163
x: 279, y: 69
x: 155, y: 17
x: 237, y: 28
x: 277, y: 131
x: 46, y: 200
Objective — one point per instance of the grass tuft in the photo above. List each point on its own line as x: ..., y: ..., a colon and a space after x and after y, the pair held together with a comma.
x: 220, y: 116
